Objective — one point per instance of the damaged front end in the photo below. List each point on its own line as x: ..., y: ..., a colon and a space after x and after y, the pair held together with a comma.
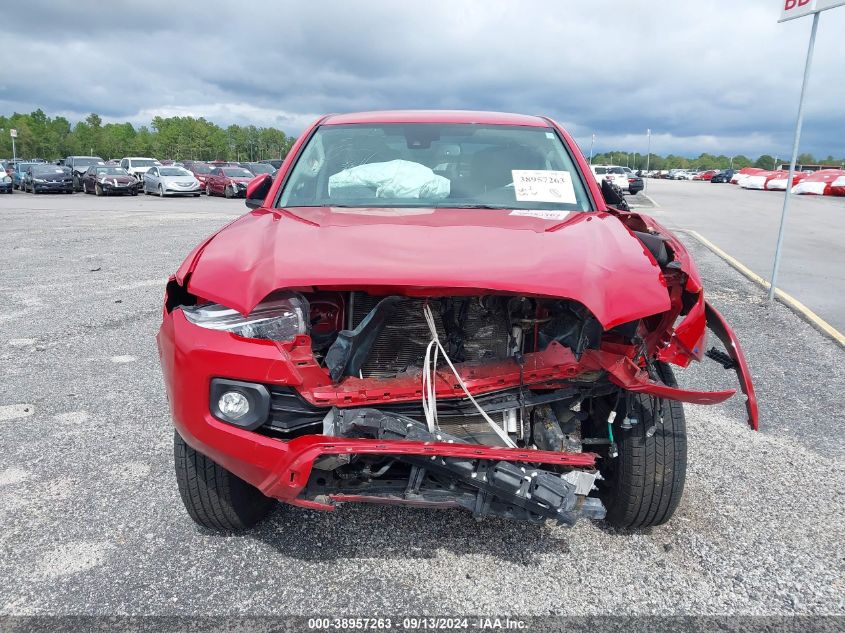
x: 503, y: 405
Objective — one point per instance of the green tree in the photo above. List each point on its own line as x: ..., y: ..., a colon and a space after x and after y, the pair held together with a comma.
x: 765, y: 162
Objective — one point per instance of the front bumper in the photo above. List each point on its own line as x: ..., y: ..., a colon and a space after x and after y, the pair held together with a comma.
x: 192, y: 356
x: 174, y: 191
x: 53, y: 186
x: 120, y: 188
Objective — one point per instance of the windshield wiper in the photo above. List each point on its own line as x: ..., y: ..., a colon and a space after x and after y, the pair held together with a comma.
x: 471, y: 206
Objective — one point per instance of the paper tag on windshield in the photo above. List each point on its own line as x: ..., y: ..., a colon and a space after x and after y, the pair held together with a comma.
x: 543, y: 215
x: 538, y: 185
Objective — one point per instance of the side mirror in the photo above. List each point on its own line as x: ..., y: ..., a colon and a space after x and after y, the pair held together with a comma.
x: 613, y: 195
x: 257, y: 190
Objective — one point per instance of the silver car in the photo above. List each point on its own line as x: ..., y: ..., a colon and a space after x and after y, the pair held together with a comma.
x: 170, y: 181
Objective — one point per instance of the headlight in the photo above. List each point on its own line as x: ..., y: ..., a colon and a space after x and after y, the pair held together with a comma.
x: 38, y: 180
x: 280, y: 317
x: 6, y: 179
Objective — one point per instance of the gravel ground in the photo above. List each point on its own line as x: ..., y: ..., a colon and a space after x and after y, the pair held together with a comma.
x: 92, y: 522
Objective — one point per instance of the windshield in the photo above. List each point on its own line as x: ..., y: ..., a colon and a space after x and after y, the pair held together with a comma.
x: 436, y: 165
x: 146, y: 162
x: 174, y: 171
x: 200, y: 168
x: 237, y: 173
x: 83, y: 162
x: 260, y: 168
x: 111, y: 171
x: 42, y: 170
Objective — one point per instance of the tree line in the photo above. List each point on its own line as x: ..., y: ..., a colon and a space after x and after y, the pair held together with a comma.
x: 179, y: 138
x: 184, y: 138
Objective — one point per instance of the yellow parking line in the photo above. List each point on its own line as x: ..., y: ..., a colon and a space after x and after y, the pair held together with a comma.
x: 786, y: 298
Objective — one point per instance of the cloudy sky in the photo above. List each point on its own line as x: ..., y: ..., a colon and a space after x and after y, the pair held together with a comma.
x: 718, y: 76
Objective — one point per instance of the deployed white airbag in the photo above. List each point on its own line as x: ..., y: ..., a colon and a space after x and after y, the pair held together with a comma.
x: 393, y: 179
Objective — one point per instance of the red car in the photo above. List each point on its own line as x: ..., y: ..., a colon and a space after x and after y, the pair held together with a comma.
x: 706, y: 175
x: 230, y: 182
x: 199, y: 169
x: 438, y: 309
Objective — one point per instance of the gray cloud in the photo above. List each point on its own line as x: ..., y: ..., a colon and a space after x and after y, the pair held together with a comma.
x: 704, y: 77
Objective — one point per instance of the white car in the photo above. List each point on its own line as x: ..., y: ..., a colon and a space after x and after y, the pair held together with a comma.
x: 170, y: 181
x: 138, y: 165
x: 613, y: 173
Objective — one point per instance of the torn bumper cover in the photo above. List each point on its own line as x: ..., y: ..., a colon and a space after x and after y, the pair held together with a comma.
x: 283, y: 469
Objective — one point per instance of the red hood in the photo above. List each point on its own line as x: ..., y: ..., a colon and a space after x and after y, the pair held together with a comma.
x: 589, y: 257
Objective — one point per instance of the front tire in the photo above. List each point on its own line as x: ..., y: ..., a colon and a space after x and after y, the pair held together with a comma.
x: 98, y: 189
x: 160, y: 191
x: 227, y: 192
x: 214, y: 497
x: 644, y: 484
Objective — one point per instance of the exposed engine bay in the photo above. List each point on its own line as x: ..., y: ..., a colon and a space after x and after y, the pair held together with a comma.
x: 384, y: 338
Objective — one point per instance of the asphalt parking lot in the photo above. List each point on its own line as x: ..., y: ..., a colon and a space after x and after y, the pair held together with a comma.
x: 92, y: 521
x: 745, y: 224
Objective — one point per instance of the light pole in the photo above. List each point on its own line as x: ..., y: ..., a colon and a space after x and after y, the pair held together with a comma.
x: 647, y: 156
x: 732, y: 162
x: 592, y: 142
x: 795, y: 144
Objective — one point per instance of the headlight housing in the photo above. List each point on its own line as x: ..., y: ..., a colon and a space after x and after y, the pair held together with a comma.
x: 280, y: 317
x: 6, y: 179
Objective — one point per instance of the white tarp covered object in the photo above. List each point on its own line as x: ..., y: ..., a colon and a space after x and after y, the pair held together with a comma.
x: 396, y: 179
x: 819, y: 183
x: 754, y: 181
x: 837, y: 187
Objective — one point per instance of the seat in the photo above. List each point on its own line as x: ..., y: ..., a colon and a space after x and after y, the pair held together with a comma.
x: 491, y: 168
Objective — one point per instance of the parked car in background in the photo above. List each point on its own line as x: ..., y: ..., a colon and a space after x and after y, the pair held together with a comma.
x: 170, y: 181
x: 42, y: 177
x: 705, y: 175
x: 614, y: 173
x: 222, y: 163
x: 6, y: 185
x: 739, y: 176
x: 275, y: 162
x: 635, y: 182
x: 778, y: 181
x: 259, y: 168
x: 138, y: 165
x: 229, y: 182
x: 106, y: 180
x: 19, y: 174
x: 722, y: 176
x: 199, y: 169
x: 758, y: 179
x: 79, y: 165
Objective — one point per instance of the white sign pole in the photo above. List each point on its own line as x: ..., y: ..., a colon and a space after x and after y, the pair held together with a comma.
x: 788, y: 195
x: 14, y: 134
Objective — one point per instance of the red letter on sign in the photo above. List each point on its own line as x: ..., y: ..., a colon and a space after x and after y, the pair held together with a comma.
x: 801, y: 3
x: 790, y: 4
